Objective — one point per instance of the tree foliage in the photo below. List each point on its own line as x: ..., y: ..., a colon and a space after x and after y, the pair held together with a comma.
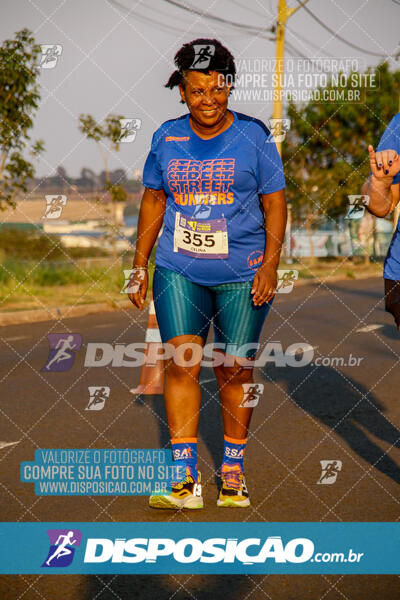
x: 19, y: 99
x: 108, y: 139
x: 325, y: 152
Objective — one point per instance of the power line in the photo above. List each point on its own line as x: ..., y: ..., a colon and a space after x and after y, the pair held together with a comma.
x: 336, y: 35
x: 195, y: 11
x: 154, y: 23
x: 247, y: 29
x: 145, y: 19
x: 168, y: 28
x: 255, y: 12
x: 309, y: 42
x: 295, y: 33
x: 293, y: 50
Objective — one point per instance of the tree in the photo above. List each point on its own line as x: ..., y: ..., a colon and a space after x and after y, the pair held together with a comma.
x: 88, y: 178
x: 108, y: 138
x: 19, y: 99
x: 325, y: 152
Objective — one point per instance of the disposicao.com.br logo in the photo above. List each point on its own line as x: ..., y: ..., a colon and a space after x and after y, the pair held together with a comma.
x: 201, y: 547
x: 62, y: 547
x: 247, y: 551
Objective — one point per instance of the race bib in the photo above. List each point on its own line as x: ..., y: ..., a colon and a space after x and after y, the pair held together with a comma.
x: 202, y: 238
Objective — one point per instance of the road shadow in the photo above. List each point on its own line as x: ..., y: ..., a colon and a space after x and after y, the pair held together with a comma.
x: 210, y: 425
x: 165, y: 587
x: 335, y: 399
x: 350, y: 289
x: 344, y: 405
x: 390, y: 332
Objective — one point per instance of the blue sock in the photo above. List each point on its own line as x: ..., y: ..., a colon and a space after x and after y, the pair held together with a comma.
x: 234, y: 451
x: 184, y: 451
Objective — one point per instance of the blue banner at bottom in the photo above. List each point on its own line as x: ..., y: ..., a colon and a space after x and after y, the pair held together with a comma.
x: 281, y: 548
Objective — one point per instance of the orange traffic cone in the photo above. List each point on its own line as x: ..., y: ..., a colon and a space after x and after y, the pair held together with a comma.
x: 152, y: 373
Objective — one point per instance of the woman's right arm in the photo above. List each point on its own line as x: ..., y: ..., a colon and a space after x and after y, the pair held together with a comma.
x: 151, y: 215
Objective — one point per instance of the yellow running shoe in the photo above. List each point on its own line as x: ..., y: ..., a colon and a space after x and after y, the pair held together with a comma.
x: 233, y: 492
x: 185, y: 494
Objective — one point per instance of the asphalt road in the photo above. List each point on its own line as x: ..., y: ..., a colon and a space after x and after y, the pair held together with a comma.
x: 346, y: 412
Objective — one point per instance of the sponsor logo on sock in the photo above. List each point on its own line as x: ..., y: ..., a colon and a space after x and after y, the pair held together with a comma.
x: 183, y: 453
x: 234, y: 452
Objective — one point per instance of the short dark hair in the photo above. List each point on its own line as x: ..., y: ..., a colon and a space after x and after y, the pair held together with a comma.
x: 221, y: 61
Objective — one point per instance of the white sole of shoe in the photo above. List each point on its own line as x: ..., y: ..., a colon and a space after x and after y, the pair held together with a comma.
x: 233, y: 503
x: 191, y: 502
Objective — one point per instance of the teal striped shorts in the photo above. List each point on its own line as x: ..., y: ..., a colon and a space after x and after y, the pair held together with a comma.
x: 187, y: 308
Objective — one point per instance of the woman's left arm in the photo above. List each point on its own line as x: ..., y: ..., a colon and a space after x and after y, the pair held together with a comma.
x: 266, y: 278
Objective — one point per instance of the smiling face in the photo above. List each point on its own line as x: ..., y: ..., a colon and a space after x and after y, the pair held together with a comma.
x: 206, y: 96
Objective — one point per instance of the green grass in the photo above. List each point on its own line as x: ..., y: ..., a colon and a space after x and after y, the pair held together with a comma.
x: 342, y: 267
x: 31, y: 284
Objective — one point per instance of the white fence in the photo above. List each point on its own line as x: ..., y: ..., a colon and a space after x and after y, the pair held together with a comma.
x: 336, y: 243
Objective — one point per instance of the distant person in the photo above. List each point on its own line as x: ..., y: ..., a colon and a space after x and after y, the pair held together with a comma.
x: 382, y: 187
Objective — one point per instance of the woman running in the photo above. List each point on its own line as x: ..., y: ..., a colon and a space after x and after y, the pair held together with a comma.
x: 382, y: 187
x: 214, y: 179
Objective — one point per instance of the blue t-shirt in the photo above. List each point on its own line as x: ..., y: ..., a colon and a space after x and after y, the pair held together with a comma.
x: 214, y: 220
x: 390, y: 140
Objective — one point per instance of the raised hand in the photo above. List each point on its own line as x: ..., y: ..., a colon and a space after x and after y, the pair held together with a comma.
x: 385, y: 163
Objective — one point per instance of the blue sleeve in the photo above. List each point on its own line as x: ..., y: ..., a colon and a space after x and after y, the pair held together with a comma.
x: 152, y: 174
x: 270, y: 177
x: 390, y: 140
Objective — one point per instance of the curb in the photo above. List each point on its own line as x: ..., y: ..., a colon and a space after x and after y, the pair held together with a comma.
x: 334, y: 279
x: 62, y: 312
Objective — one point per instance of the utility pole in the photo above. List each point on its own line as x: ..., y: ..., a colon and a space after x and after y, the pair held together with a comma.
x: 284, y: 12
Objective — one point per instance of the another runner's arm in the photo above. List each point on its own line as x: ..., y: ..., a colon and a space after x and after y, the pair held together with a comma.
x: 151, y: 215
x: 381, y: 187
x: 383, y: 196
